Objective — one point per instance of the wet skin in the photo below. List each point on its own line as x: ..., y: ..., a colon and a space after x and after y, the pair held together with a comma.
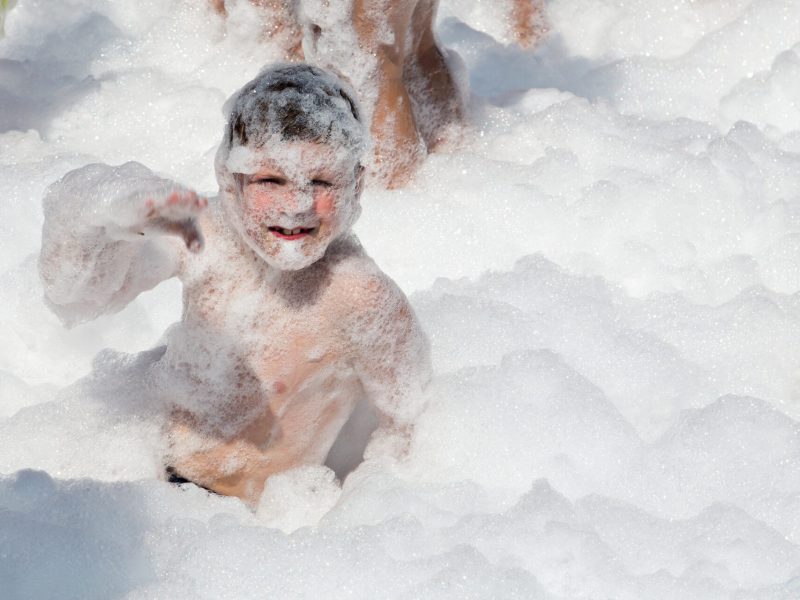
x: 302, y: 198
x: 268, y: 363
x: 287, y: 381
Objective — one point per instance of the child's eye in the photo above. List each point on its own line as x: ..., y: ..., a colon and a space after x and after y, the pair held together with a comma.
x: 321, y: 183
x: 271, y: 180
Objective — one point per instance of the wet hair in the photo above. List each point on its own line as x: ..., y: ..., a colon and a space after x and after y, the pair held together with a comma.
x: 296, y: 102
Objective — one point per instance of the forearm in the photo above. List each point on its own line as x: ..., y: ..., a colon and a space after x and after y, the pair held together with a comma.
x: 233, y: 468
x: 391, y: 357
x: 92, y: 275
x: 94, y: 259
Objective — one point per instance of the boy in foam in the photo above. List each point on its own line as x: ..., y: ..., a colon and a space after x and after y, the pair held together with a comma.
x: 287, y: 323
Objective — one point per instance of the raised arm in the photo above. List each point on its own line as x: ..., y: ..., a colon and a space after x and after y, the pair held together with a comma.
x: 109, y: 234
x: 392, y: 361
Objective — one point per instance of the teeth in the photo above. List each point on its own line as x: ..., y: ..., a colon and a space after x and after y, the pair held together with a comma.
x: 284, y: 231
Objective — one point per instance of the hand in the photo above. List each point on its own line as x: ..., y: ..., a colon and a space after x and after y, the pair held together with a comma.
x: 176, y: 215
x: 130, y: 201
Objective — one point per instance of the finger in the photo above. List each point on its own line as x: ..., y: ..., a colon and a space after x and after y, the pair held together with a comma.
x: 192, y: 236
x: 182, y: 198
x: 176, y: 205
x: 186, y: 229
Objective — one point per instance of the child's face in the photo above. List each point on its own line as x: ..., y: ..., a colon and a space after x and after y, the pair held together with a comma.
x: 301, y: 197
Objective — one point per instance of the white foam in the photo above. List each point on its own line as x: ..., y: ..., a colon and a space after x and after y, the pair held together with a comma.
x: 607, y: 272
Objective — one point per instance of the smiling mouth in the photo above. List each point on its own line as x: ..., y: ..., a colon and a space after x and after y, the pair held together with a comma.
x: 291, y: 234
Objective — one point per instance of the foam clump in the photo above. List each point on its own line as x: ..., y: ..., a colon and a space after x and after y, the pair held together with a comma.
x: 299, y: 497
x: 539, y: 305
x: 330, y: 40
x: 722, y: 547
x: 549, y: 422
x: 734, y: 450
x: 766, y: 98
x: 102, y: 427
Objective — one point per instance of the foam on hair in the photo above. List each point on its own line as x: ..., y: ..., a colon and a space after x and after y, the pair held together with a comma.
x: 288, y: 102
x: 295, y: 102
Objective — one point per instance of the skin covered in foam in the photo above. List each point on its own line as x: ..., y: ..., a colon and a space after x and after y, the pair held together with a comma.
x: 407, y: 81
x: 313, y: 201
x: 98, y: 248
x: 282, y: 333
x: 255, y: 140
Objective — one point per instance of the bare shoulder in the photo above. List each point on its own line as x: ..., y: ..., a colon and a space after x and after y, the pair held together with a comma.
x: 374, y: 314
x: 358, y: 285
x: 388, y: 346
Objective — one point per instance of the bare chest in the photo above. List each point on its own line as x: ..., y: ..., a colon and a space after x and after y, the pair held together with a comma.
x: 243, y: 353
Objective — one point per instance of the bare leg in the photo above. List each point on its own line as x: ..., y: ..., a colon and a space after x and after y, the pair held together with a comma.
x: 412, y: 97
x: 280, y: 24
x: 398, y: 145
x: 438, y: 102
x: 528, y: 22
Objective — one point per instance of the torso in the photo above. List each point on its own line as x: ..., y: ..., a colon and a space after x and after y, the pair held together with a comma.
x: 258, y: 371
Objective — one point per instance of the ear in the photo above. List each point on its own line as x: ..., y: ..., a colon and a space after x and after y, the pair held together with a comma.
x: 360, y: 170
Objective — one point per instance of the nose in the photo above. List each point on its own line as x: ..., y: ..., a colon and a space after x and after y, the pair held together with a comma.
x: 300, y: 201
